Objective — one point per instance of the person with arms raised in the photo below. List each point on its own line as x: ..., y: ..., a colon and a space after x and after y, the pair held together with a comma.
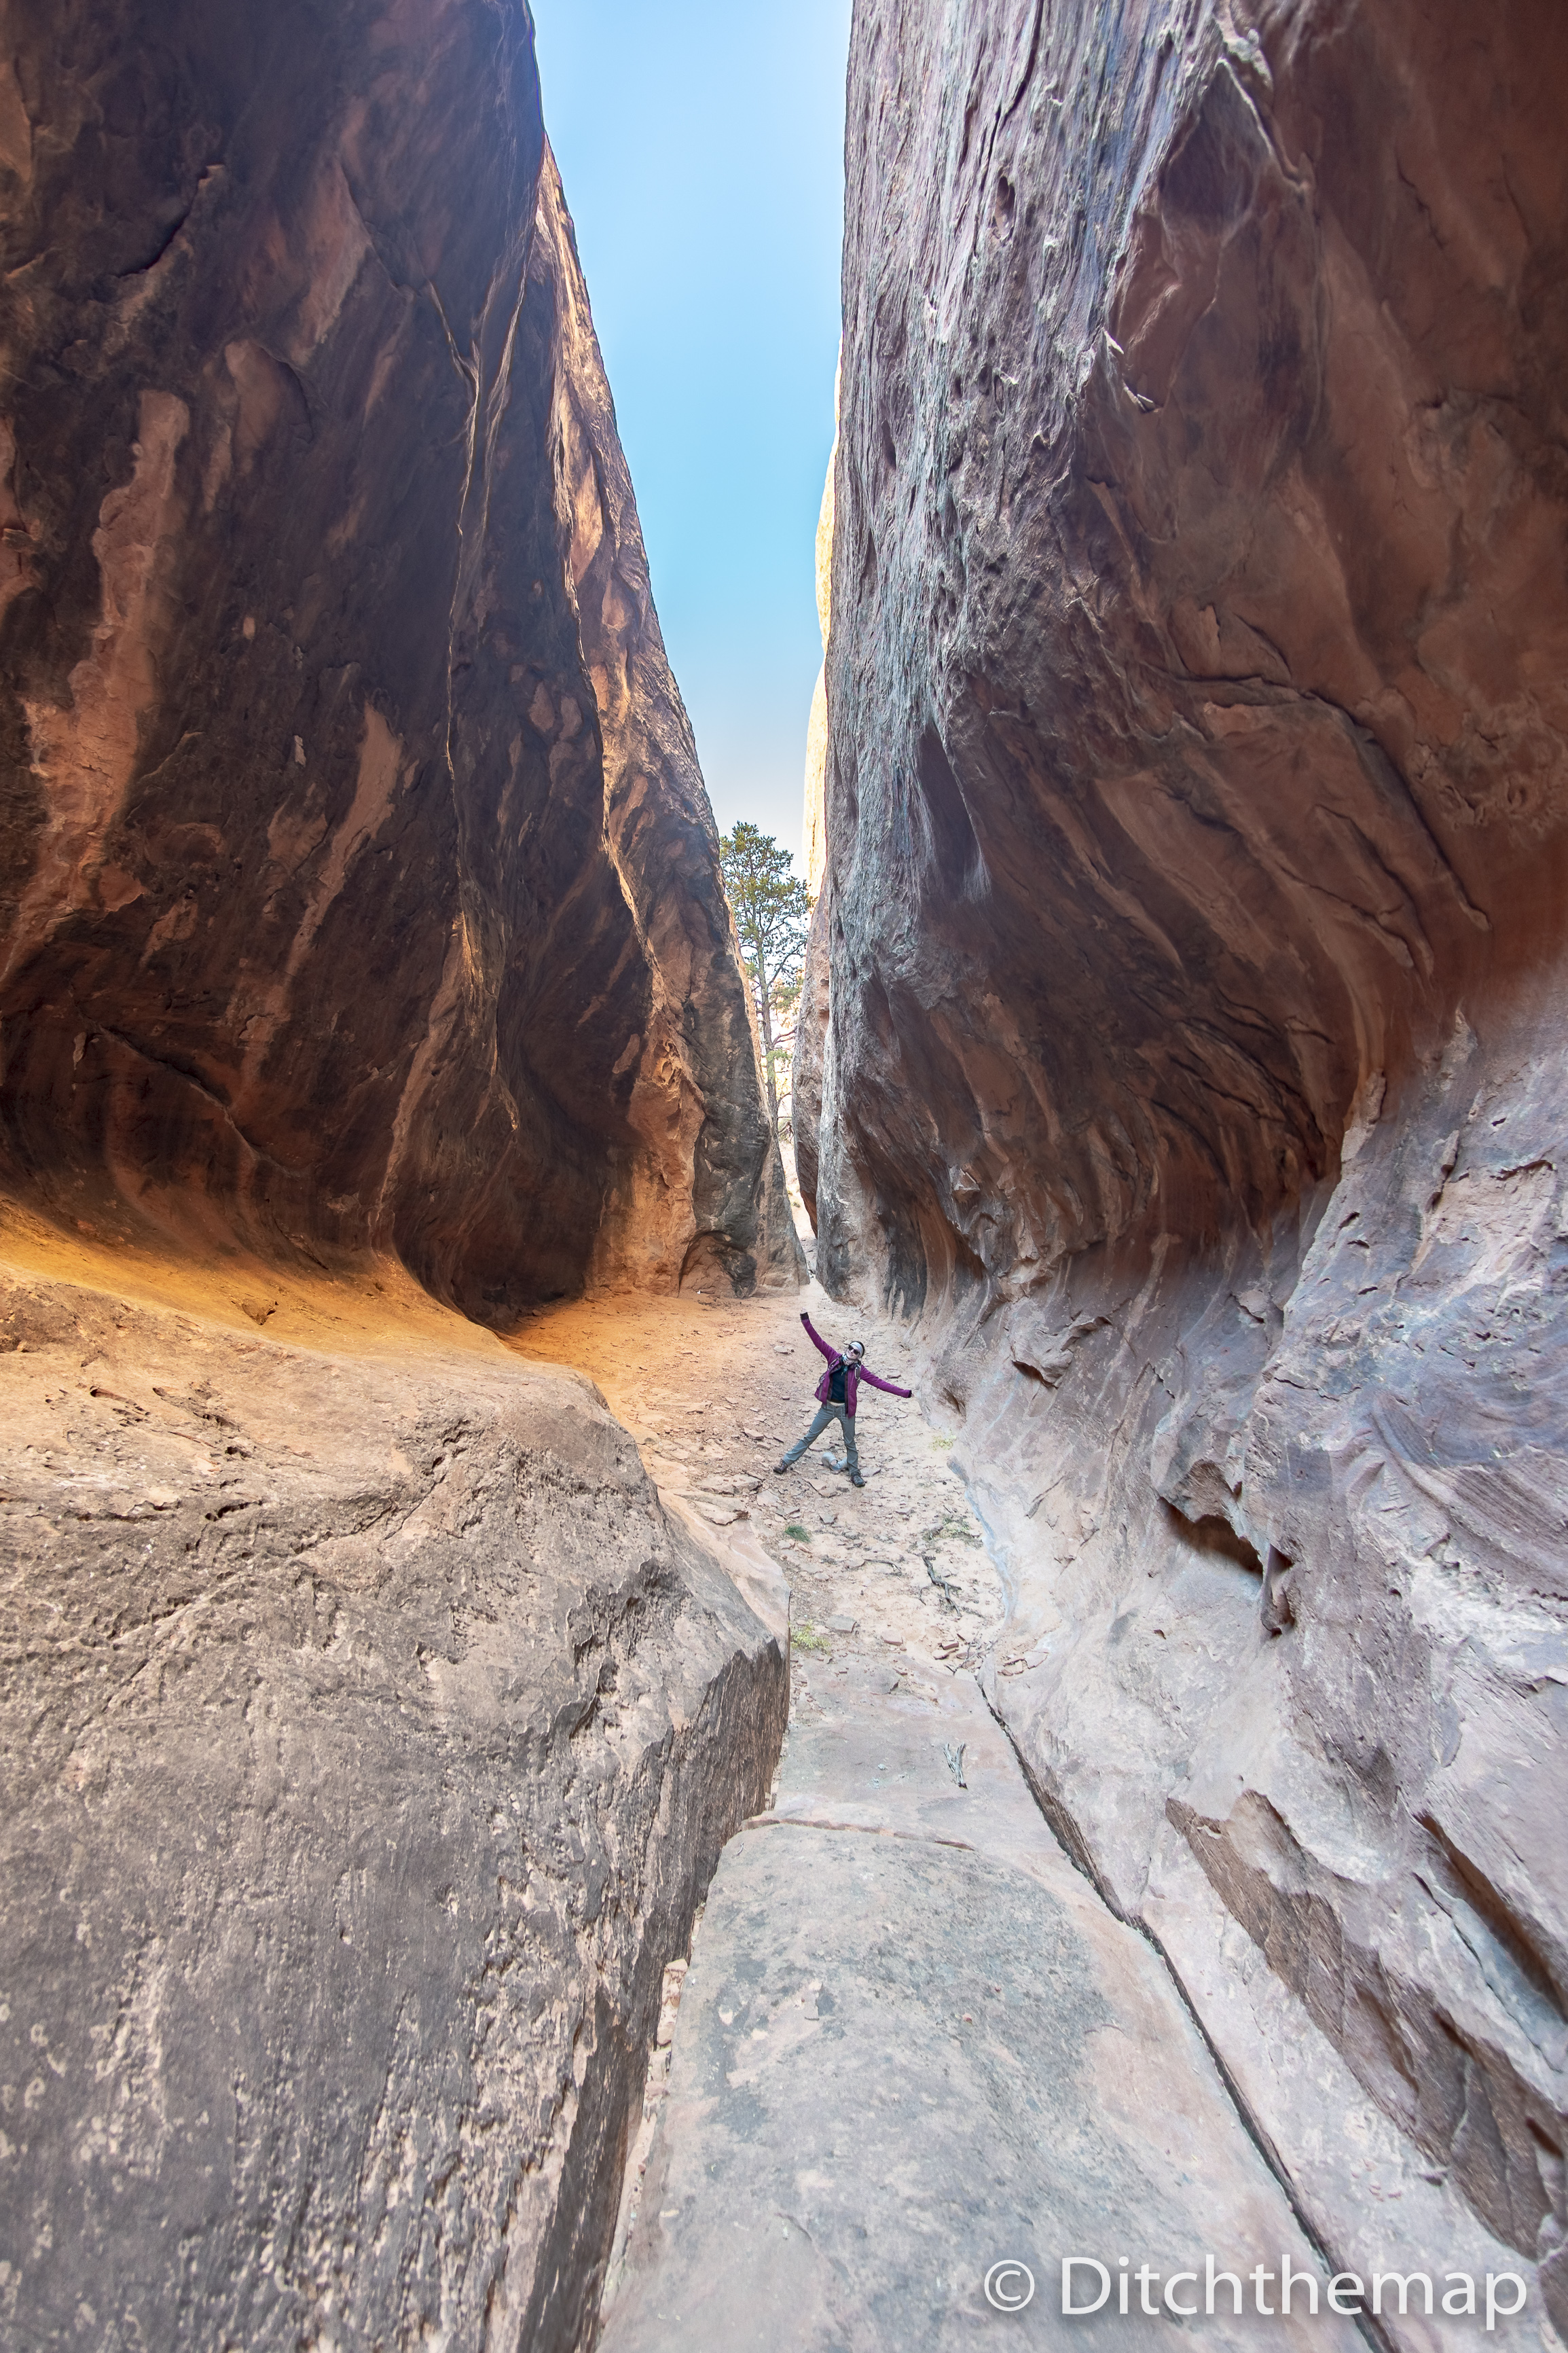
x: 835, y: 1396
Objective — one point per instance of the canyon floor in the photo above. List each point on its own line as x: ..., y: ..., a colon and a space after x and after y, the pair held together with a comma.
x: 912, y: 2043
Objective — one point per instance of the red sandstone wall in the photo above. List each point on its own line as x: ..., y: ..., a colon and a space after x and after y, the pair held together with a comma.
x: 326, y: 925
x: 1191, y: 956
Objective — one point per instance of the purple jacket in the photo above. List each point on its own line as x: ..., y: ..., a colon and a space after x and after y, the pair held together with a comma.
x: 853, y: 1375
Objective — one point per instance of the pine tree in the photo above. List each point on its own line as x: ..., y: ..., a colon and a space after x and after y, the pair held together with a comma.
x: 771, y: 910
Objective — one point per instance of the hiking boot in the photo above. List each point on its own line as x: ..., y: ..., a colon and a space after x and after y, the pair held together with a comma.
x: 781, y: 1466
x: 856, y: 1479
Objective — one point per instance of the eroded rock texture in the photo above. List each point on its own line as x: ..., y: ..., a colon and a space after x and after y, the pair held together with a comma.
x: 369, y: 1735
x: 360, y: 885
x: 1192, y: 944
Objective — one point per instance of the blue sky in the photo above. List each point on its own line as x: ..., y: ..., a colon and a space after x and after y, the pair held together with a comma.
x: 700, y: 144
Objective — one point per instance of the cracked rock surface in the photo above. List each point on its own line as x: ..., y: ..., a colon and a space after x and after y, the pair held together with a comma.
x: 913, y: 2042
x: 1189, y: 987
x: 370, y: 1733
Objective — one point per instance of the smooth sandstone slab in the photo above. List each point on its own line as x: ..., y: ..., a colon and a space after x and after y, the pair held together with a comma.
x: 913, y: 2043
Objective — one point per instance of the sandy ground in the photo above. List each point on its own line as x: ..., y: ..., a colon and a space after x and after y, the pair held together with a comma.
x: 713, y: 1392
x: 893, y: 1575
x: 377, y: 1310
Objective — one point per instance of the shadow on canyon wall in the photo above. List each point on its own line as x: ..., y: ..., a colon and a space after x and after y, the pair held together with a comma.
x: 1189, y: 1000
x: 361, y: 887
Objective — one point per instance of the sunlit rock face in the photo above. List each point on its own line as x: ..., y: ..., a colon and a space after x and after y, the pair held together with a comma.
x: 1190, y: 958
x: 813, y: 825
x: 360, y: 885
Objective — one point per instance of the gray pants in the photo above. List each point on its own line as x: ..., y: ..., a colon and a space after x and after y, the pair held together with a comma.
x: 826, y: 1415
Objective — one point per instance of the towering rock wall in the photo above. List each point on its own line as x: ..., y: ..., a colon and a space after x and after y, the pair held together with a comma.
x: 1191, y: 954
x: 359, y: 887
x: 367, y: 1731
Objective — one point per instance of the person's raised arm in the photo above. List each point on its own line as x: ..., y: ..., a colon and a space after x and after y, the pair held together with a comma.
x: 815, y: 1335
x: 891, y: 1386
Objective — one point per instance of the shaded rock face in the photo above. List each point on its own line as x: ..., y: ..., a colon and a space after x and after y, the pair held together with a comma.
x: 359, y: 886
x: 369, y: 1736
x: 1189, y: 971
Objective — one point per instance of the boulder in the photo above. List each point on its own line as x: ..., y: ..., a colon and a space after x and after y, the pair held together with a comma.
x: 369, y: 1735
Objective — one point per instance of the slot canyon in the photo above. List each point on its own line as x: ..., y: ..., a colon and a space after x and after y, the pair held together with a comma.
x: 485, y: 1862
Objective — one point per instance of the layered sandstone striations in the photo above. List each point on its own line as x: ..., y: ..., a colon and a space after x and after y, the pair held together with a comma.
x: 369, y: 1735
x: 361, y: 890
x: 1193, y: 943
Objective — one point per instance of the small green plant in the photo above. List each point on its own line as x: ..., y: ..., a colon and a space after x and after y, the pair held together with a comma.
x: 806, y: 1637
x: 801, y: 1536
x: 940, y: 1443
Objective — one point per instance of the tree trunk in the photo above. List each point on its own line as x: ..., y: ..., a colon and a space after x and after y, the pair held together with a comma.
x: 767, y: 1010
